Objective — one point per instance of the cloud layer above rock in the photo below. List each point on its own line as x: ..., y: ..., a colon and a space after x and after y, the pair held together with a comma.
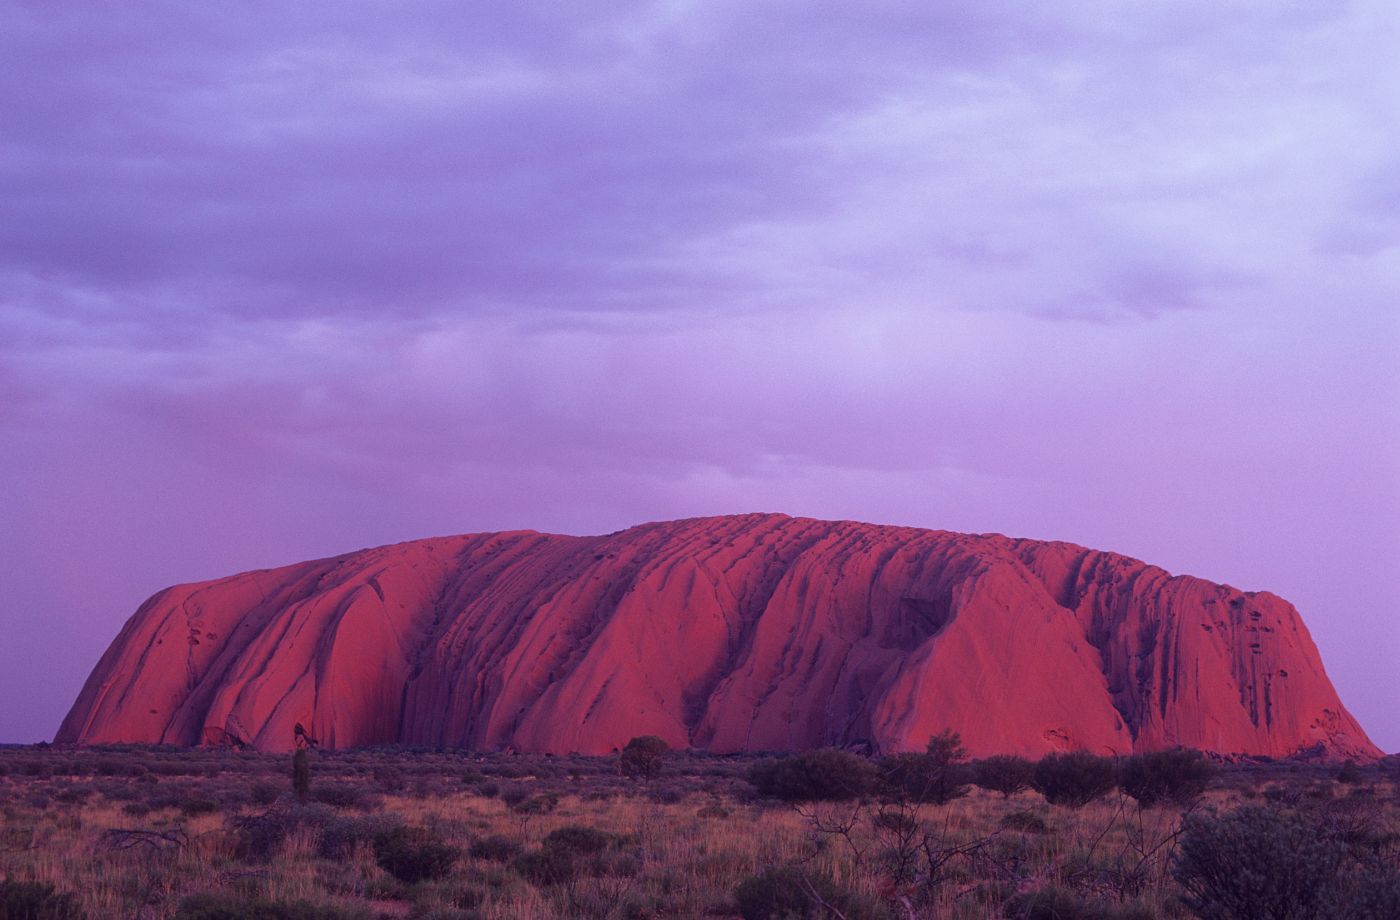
x: 285, y: 280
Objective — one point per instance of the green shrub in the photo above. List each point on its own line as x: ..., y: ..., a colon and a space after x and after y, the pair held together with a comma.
x: 1177, y: 777
x: 1257, y: 864
x: 36, y: 901
x: 1004, y: 773
x: 229, y: 907
x: 577, y: 839
x: 643, y: 757
x: 413, y: 854
x: 826, y: 775
x: 1074, y: 779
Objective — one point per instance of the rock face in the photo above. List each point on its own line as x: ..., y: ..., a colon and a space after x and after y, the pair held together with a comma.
x: 752, y: 632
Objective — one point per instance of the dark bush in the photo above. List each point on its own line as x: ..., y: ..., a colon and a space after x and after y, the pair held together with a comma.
x: 1371, y: 894
x: 264, y: 792
x: 496, y: 848
x: 1176, y: 777
x: 790, y: 893
x: 668, y: 795
x: 541, y: 804
x: 36, y: 901
x: 413, y: 854
x: 937, y: 775
x: 73, y: 795
x: 341, y: 835
x: 546, y: 866
x: 826, y: 775
x: 1004, y: 773
x: 1025, y: 821
x: 433, y: 912
x: 198, y: 806
x: 1257, y: 864
x: 644, y: 757
x: 340, y: 795
x: 1047, y: 904
x: 389, y: 779
x: 514, y: 794
x: 1074, y: 779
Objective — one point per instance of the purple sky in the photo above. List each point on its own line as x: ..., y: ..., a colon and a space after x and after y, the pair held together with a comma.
x: 283, y: 280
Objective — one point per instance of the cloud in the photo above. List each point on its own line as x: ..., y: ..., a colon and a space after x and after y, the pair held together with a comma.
x: 683, y: 157
x: 278, y: 282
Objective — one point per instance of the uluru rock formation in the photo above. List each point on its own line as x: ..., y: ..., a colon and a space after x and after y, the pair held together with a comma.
x: 750, y: 632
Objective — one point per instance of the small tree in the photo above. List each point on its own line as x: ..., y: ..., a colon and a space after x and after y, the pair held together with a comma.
x: 938, y: 775
x: 643, y: 757
x: 301, y: 773
x: 1074, y: 779
x: 1176, y: 777
x: 1004, y: 773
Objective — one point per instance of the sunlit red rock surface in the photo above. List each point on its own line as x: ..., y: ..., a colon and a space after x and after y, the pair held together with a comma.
x: 752, y: 632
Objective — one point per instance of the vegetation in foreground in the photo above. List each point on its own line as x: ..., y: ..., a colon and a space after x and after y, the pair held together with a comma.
x: 127, y: 832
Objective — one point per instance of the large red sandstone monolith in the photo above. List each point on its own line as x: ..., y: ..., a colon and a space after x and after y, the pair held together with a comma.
x: 752, y: 632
